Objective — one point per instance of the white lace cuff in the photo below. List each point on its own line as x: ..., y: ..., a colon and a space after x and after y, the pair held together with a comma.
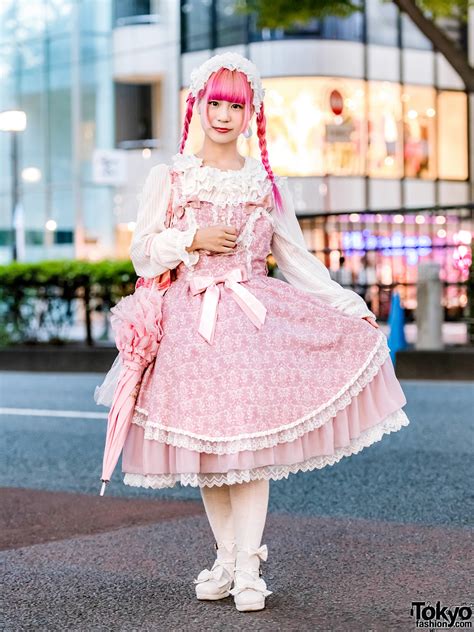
x: 168, y: 247
x: 185, y: 238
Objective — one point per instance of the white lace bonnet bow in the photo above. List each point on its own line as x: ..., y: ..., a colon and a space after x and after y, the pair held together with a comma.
x: 232, y: 61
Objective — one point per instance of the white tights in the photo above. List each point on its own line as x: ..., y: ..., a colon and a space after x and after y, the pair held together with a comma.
x: 237, y: 513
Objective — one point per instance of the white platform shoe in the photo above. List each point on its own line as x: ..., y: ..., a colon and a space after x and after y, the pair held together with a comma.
x: 215, y: 583
x: 250, y: 589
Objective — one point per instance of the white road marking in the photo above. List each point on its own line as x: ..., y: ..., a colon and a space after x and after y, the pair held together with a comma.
x: 35, y: 412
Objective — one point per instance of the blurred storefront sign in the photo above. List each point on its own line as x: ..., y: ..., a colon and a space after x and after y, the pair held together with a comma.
x: 109, y: 166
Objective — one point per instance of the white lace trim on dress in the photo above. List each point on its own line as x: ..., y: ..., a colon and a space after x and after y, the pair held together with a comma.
x: 218, y: 186
x: 154, y: 430
x: 392, y: 423
x: 246, y: 237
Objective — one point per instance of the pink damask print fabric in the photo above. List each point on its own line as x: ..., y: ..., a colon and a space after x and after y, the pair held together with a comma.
x: 255, y: 398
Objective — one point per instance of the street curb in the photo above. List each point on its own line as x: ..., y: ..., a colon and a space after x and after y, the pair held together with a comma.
x: 52, y: 358
x: 451, y: 363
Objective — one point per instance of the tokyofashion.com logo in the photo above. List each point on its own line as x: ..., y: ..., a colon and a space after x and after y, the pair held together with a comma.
x: 438, y: 616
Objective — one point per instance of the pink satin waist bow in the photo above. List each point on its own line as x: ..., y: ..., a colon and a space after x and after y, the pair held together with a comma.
x: 254, y: 309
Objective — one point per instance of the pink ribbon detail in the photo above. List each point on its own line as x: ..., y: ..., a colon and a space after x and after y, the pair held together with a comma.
x: 254, y: 309
x: 266, y: 203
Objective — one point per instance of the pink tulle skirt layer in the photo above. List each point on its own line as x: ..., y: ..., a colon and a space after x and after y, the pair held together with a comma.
x: 374, y: 412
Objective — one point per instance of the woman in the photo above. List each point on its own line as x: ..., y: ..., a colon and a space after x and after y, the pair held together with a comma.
x: 255, y: 378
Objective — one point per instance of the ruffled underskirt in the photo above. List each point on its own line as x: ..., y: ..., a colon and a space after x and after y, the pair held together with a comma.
x: 374, y: 412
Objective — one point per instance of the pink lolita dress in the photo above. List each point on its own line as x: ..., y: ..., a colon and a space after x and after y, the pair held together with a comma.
x: 254, y: 377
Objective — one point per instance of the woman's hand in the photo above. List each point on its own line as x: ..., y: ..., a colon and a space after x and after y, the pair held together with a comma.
x: 371, y: 321
x: 216, y: 238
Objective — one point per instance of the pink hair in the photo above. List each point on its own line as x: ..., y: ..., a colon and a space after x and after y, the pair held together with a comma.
x: 228, y: 85
x: 262, y: 142
x: 233, y: 86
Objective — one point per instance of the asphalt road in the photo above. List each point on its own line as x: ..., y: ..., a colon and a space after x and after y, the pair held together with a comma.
x: 350, y: 546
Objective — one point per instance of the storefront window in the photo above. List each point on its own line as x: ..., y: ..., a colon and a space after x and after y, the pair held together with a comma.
x: 385, y: 151
x: 419, y: 126
x: 452, y: 136
x: 317, y: 126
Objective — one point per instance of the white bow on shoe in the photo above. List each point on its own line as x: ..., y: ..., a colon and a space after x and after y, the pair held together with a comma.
x: 249, y: 590
x: 215, y: 583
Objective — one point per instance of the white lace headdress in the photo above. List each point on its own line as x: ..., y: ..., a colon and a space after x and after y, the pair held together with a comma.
x: 232, y: 61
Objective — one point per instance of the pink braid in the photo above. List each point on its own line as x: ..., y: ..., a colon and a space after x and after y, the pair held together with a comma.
x: 261, y: 124
x: 187, y: 119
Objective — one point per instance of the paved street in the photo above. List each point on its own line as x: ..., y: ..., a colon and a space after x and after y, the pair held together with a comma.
x: 350, y: 546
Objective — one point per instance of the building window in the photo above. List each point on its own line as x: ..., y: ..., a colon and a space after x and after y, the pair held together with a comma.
x: 231, y: 26
x: 315, y: 125
x: 385, y: 129
x: 382, y: 22
x: 133, y: 112
x: 196, y: 25
x: 331, y: 27
x: 452, y: 136
x: 419, y: 126
x: 130, y: 8
x: 349, y: 29
x: 411, y: 35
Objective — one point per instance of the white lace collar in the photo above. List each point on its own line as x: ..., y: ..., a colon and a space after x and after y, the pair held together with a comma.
x: 220, y: 186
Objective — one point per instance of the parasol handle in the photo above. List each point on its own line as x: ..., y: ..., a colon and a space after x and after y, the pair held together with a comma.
x: 102, y: 489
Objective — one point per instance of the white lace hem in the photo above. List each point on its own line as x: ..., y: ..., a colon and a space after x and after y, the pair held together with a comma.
x: 392, y: 423
x: 156, y: 431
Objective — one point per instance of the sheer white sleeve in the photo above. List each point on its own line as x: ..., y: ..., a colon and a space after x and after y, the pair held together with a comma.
x: 155, y: 248
x: 302, y: 269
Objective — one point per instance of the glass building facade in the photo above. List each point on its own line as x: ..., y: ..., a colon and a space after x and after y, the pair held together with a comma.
x: 209, y: 24
x: 55, y: 65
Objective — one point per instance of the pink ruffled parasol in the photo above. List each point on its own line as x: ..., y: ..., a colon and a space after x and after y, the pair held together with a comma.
x: 136, y: 322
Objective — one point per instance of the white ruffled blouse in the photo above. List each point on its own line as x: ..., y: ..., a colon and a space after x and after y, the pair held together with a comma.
x: 155, y: 248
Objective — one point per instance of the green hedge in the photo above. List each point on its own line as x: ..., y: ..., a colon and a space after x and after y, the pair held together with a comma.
x: 37, y: 299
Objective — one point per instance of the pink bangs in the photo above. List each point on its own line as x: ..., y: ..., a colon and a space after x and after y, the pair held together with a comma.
x: 228, y: 85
